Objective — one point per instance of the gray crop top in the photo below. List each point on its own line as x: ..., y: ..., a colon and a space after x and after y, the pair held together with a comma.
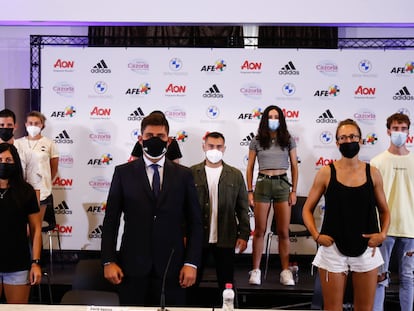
x: 274, y: 157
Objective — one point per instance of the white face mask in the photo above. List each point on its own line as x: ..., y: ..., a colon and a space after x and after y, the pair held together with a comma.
x: 33, y: 130
x: 214, y: 155
x: 398, y: 138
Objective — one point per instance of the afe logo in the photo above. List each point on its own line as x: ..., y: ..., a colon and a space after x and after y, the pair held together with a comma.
x: 96, y: 209
x: 58, y: 114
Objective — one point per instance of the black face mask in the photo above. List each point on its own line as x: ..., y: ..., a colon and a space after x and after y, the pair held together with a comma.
x: 7, y: 170
x: 6, y: 133
x: 154, y: 147
x: 349, y: 150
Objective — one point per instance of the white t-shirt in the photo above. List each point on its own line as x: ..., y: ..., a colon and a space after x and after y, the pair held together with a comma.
x: 41, y: 151
x: 398, y: 177
x: 31, y: 172
x: 213, y: 177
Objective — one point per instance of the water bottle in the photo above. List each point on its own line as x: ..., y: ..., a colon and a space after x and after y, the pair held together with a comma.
x: 295, y: 272
x: 228, y: 298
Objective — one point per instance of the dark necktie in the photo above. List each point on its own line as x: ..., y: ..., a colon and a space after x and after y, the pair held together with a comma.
x: 155, y: 180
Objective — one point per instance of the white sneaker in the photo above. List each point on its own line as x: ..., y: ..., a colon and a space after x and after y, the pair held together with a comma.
x: 286, y: 277
x: 255, y: 277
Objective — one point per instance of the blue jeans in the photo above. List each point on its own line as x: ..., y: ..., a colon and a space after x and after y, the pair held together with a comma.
x: 405, y: 271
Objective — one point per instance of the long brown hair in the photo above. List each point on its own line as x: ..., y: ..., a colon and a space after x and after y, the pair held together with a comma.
x: 263, y: 133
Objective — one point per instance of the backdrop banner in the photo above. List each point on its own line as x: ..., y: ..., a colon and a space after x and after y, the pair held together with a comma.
x: 95, y: 98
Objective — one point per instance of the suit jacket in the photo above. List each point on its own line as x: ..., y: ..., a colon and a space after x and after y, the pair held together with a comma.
x: 233, y: 220
x: 153, y: 227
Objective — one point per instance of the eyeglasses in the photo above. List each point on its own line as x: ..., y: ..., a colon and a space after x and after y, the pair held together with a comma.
x: 351, y: 137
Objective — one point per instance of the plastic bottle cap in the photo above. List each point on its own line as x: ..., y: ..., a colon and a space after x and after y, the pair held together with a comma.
x: 229, y: 285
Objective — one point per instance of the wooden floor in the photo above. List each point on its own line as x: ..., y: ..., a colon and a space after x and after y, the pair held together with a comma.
x: 269, y: 295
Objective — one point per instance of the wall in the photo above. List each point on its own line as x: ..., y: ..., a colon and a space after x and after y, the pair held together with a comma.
x: 15, y: 53
x: 373, y: 32
x: 94, y: 114
x: 15, y: 48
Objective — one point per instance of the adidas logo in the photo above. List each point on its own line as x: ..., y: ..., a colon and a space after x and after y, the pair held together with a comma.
x: 63, y: 134
x: 63, y: 138
x: 403, y: 91
x: 101, y: 67
x: 326, y: 117
x: 213, y: 92
x: 63, y: 208
x: 97, y: 232
x: 98, y: 229
x: 246, y: 141
x: 288, y: 69
x: 403, y: 94
x: 136, y: 115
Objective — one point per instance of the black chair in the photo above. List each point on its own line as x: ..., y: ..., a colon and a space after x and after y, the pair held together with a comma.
x: 89, y: 286
x: 45, y: 275
x: 296, y: 229
x: 48, y: 226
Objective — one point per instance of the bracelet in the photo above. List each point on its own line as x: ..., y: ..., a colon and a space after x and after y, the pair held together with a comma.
x: 317, y: 238
x: 293, y: 191
x: 36, y: 261
x: 250, y: 191
x: 107, y: 263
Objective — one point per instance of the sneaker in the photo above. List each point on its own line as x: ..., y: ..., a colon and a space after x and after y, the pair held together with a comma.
x: 286, y: 277
x: 255, y: 277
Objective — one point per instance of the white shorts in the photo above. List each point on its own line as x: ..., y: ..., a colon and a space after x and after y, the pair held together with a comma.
x: 331, y: 259
x: 15, y: 278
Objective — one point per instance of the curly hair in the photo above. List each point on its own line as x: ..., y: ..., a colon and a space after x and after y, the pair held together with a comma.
x: 399, y: 118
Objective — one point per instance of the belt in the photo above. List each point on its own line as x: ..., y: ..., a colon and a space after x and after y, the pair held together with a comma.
x: 282, y: 176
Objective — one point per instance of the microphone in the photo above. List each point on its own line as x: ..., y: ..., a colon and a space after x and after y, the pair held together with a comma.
x: 162, y: 302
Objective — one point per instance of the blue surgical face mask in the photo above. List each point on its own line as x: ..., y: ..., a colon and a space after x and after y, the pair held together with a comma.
x: 273, y: 124
x: 398, y: 138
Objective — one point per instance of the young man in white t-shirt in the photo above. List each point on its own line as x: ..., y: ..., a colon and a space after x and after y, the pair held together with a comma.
x: 222, y: 194
x: 396, y: 165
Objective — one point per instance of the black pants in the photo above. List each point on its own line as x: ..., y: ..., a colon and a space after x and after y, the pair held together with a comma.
x: 146, y: 291
x: 223, y: 261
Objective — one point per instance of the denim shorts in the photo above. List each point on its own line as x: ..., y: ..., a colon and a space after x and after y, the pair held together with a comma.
x: 47, y: 201
x: 271, y: 188
x: 15, y: 278
x: 331, y: 259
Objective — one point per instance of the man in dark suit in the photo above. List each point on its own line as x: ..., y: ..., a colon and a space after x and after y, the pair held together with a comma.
x: 162, y: 222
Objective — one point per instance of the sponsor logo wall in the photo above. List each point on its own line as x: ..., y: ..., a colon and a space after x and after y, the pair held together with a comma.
x: 95, y: 98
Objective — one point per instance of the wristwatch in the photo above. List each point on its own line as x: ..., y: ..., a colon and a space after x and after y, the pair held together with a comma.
x: 36, y: 261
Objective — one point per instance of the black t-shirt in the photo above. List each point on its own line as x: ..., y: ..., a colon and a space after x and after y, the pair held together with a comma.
x: 15, y: 207
x: 173, y: 151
